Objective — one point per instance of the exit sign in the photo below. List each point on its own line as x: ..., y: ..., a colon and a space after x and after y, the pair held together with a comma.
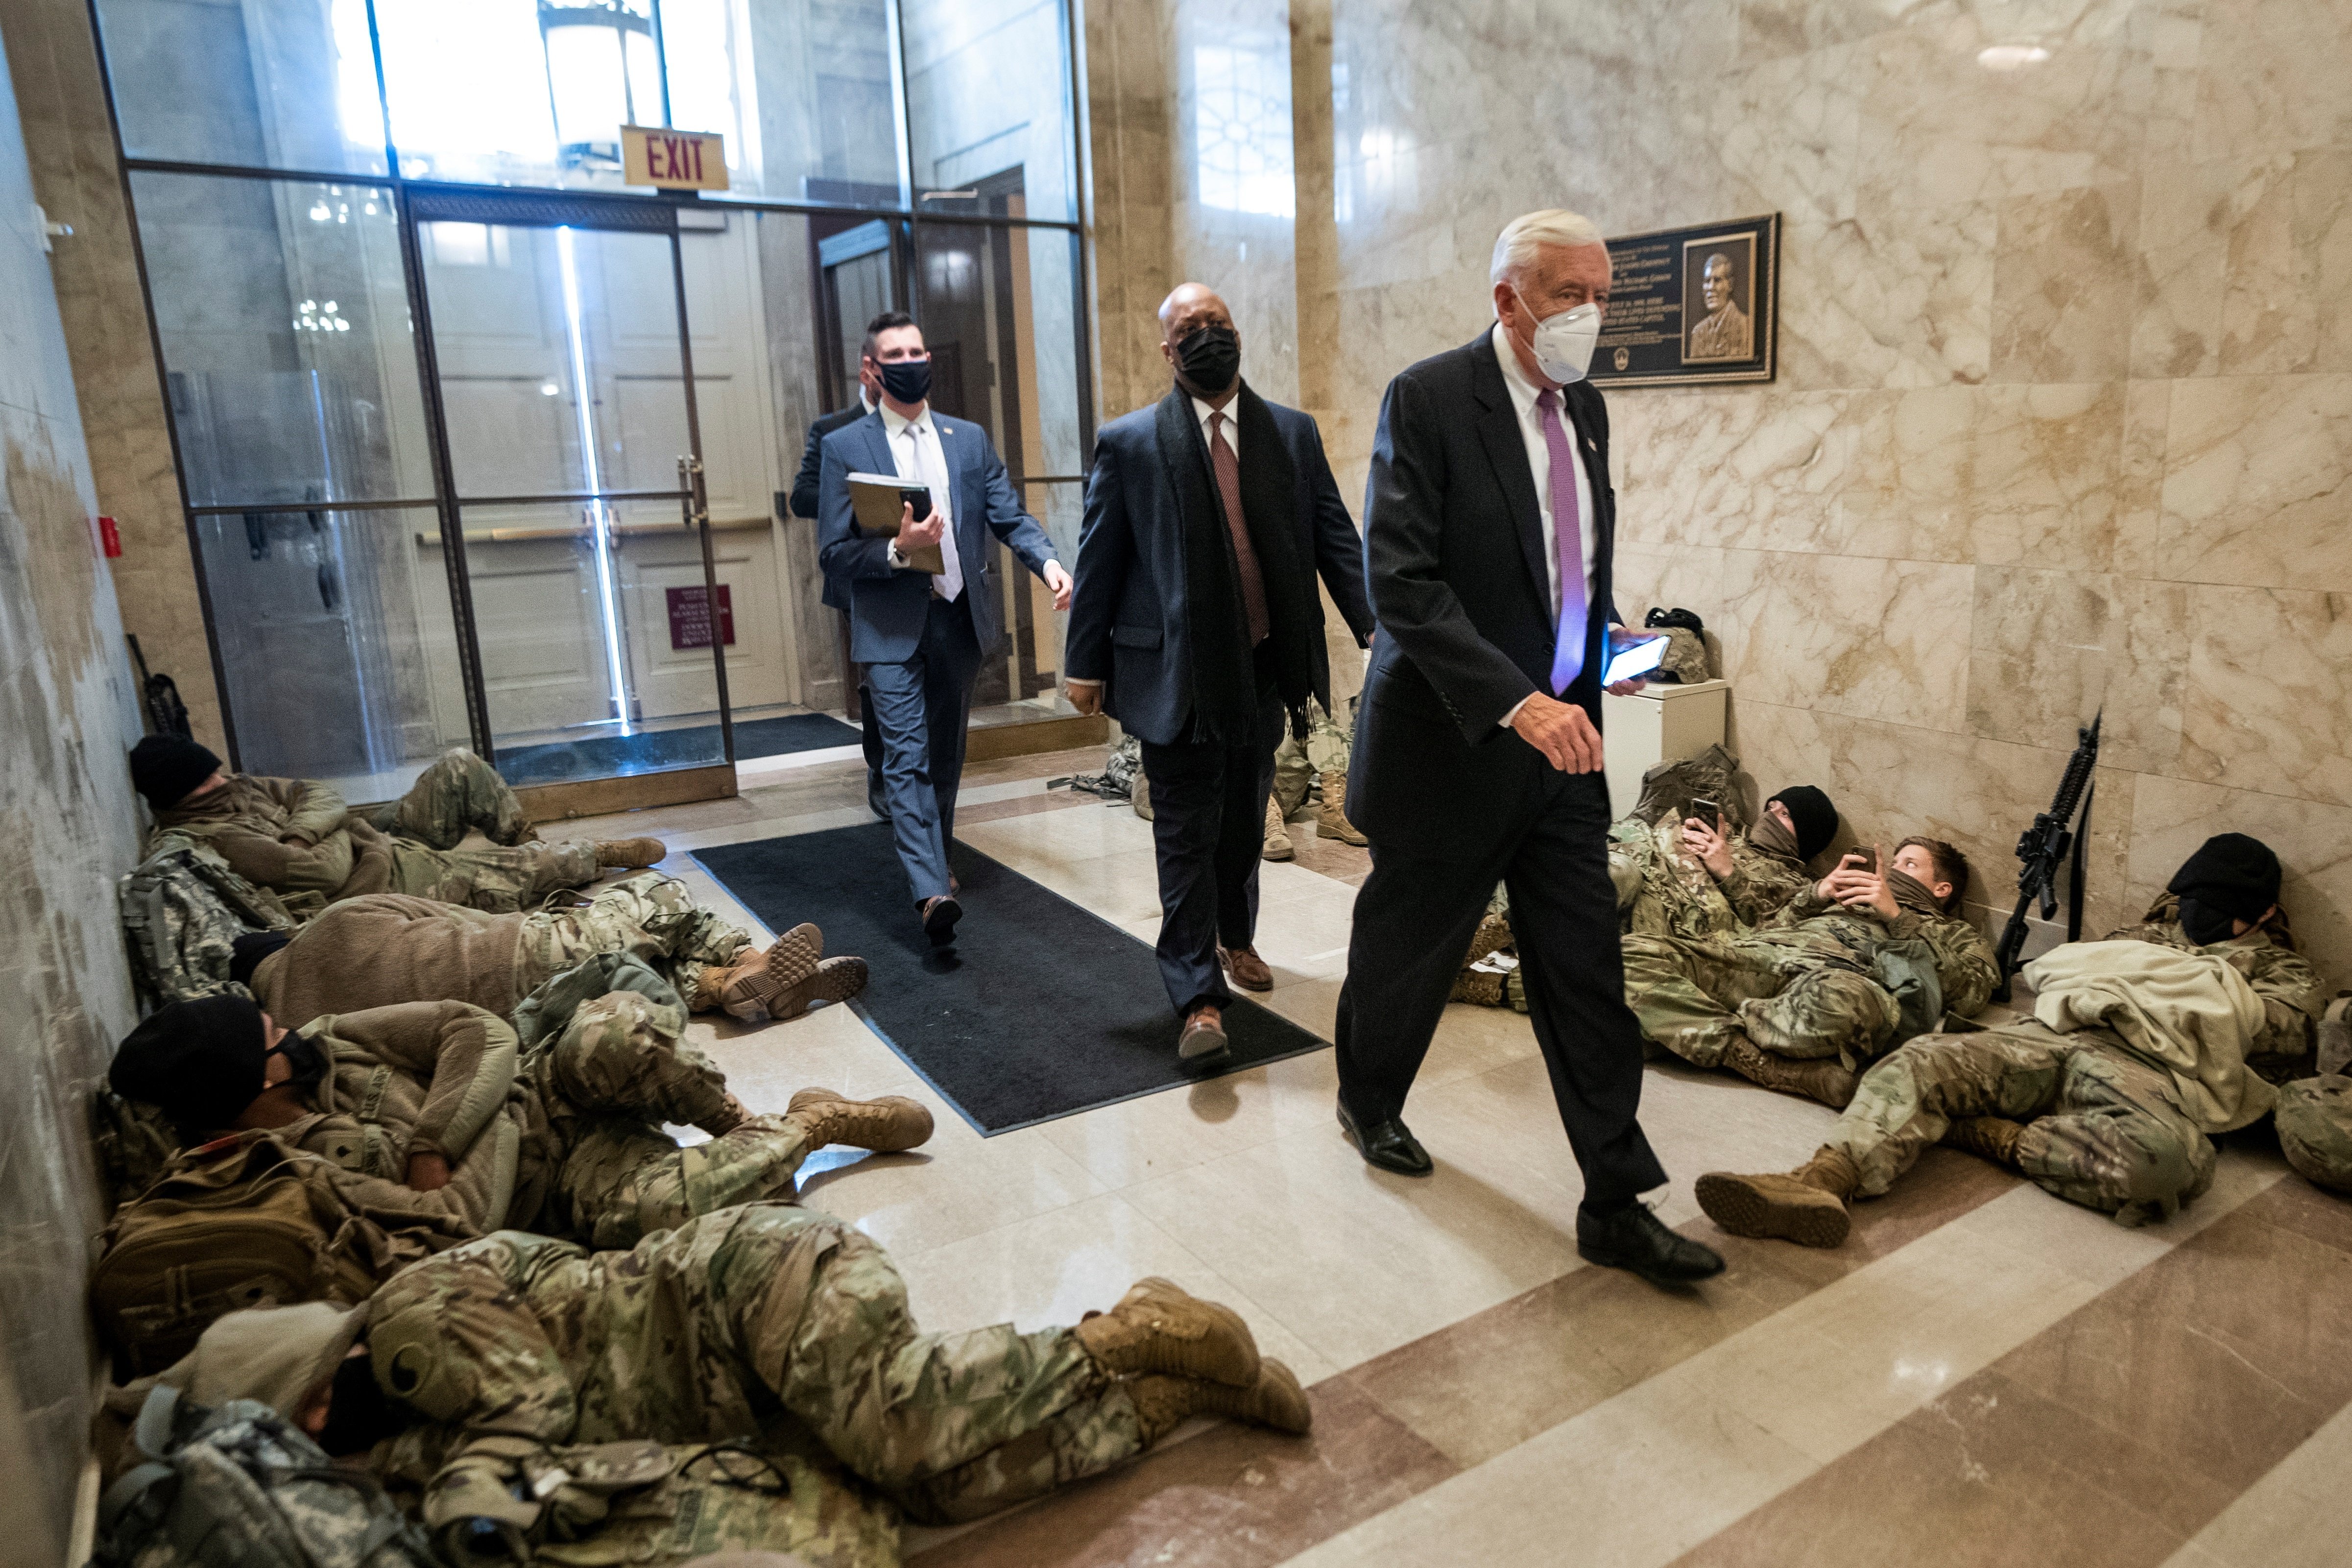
x: 673, y: 160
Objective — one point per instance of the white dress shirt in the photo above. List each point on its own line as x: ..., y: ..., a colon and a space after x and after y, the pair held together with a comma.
x: 1233, y: 431
x: 1524, y: 393
x: 915, y: 448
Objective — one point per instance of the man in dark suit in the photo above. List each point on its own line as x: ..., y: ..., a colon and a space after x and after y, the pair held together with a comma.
x: 805, y: 501
x: 921, y: 635
x: 1488, y: 529
x: 1196, y: 624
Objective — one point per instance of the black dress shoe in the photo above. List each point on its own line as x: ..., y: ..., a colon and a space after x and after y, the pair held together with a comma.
x: 940, y: 917
x: 1388, y: 1145
x: 1634, y: 1238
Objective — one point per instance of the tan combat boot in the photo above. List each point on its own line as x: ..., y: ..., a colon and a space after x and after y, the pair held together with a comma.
x: 1994, y: 1137
x: 886, y: 1126
x: 1825, y: 1080
x: 1156, y: 1327
x: 1331, y: 821
x: 619, y: 852
x: 746, y: 988
x: 1275, y: 1400
x: 1806, y: 1206
x: 1479, y: 986
x: 1277, y: 837
x: 835, y: 980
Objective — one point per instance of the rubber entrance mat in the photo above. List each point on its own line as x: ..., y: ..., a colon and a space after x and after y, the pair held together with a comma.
x: 621, y: 755
x: 1040, y: 1010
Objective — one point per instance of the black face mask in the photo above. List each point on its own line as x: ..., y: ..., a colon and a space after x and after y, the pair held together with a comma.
x: 359, y: 1417
x: 2205, y: 924
x: 309, y: 1062
x: 1210, y: 359
x: 907, y: 380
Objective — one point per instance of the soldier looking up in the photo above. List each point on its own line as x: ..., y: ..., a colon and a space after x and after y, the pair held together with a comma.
x: 295, y: 836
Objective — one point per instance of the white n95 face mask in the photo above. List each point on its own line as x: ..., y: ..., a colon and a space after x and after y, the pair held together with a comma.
x: 1562, y: 345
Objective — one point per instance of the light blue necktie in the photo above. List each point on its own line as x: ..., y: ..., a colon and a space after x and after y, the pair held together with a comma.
x: 1567, y: 532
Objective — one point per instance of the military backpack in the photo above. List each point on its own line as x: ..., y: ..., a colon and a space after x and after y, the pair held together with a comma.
x: 241, y: 1487
x: 183, y: 910
x: 241, y: 1222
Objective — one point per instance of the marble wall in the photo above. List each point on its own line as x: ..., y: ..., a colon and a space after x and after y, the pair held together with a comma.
x: 67, y: 829
x: 2064, y: 410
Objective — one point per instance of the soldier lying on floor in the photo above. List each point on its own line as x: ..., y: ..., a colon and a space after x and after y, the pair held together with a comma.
x: 2139, y: 1049
x: 566, y: 1139
x: 1855, y: 964
x: 385, y: 948
x: 477, y: 1364
x: 295, y: 837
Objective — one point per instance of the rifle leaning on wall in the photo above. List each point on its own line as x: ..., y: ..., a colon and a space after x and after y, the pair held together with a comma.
x: 2044, y: 846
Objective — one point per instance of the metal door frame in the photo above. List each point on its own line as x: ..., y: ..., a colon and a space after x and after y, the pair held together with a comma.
x: 507, y: 207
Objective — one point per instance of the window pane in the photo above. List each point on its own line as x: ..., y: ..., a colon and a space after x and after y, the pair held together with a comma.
x: 277, y: 84
x: 800, y: 88
x: 997, y: 306
x: 287, y: 350
x: 988, y: 105
x: 335, y: 635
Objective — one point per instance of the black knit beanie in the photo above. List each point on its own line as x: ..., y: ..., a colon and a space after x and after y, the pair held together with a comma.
x: 199, y: 1062
x: 1815, y: 818
x: 164, y: 768
x: 2231, y: 877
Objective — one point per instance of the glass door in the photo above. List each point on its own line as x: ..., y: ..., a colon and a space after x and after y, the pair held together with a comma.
x: 565, y: 381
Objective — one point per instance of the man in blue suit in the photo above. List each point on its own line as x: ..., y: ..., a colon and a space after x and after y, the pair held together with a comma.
x: 921, y: 635
x: 1197, y: 626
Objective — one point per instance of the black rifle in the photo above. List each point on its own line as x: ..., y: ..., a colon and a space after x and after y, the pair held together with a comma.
x: 167, y: 714
x: 2044, y: 846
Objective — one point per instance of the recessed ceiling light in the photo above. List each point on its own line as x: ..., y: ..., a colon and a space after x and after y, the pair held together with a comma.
x: 2012, y: 57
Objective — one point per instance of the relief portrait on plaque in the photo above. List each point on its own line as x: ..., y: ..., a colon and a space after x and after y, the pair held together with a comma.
x: 1718, y: 298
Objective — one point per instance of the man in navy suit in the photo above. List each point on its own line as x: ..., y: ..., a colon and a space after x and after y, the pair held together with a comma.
x: 1197, y: 626
x: 1489, y: 530
x: 921, y: 635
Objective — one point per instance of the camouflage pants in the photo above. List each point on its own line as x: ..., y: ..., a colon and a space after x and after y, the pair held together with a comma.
x: 618, y: 1071
x: 1693, y: 995
x: 458, y: 793
x: 650, y: 915
x: 1297, y: 766
x: 2101, y: 1128
x: 951, y: 1427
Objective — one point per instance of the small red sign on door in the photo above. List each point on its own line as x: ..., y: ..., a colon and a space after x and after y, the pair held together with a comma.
x: 689, y: 617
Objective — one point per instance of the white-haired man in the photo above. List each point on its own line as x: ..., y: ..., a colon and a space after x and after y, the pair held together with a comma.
x: 1488, y: 523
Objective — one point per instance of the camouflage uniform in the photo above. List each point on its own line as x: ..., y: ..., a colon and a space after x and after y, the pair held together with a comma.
x: 702, y: 1331
x: 1297, y: 766
x: 1820, y: 980
x: 650, y: 915
x: 599, y: 1166
x: 1678, y: 896
x: 2103, y: 1128
x: 296, y: 837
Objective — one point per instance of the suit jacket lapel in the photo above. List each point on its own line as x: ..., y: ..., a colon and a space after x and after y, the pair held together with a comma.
x: 1506, y: 449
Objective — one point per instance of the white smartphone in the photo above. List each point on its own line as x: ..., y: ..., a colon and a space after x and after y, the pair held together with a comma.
x: 1640, y: 659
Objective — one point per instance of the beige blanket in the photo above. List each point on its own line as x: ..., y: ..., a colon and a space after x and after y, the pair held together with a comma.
x: 2190, y: 1015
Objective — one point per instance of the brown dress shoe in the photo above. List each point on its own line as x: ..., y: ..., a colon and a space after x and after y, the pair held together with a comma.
x: 1203, y: 1036
x: 1246, y: 969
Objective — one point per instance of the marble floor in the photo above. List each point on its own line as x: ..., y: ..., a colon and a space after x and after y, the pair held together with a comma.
x: 1983, y: 1375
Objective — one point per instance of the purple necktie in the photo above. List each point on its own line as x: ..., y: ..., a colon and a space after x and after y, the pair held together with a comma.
x: 1568, y: 531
